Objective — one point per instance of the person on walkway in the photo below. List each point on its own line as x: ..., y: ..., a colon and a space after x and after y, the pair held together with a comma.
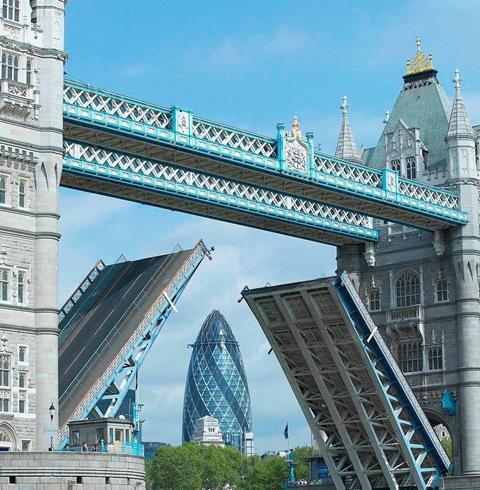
x: 84, y: 448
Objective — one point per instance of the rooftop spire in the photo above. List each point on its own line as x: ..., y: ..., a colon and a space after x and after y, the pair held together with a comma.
x: 346, y: 149
x: 459, y: 125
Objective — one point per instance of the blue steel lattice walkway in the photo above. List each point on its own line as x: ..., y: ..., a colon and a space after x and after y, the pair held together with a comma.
x: 105, y: 171
x: 369, y: 426
x: 288, y: 162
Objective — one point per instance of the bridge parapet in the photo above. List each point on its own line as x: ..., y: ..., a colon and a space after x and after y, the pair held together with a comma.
x: 199, y: 187
x: 290, y: 157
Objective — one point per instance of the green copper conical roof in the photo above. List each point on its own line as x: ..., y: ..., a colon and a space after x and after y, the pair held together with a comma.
x: 422, y: 104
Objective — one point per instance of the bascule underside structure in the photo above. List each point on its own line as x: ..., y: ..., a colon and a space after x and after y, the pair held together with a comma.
x: 108, y: 326
x: 369, y: 426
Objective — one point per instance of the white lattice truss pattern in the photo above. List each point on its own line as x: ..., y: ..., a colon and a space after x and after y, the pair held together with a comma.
x: 210, y: 183
x: 117, y: 106
x: 427, y: 194
x: 356, y: 173
x: 160, y: 305
x: 373, y: 178
x: 89, y: 98
x: 234, y: 138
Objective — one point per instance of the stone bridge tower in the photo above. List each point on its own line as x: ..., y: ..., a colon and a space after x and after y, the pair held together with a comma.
x: 31, y: 147
x: 422, y: 288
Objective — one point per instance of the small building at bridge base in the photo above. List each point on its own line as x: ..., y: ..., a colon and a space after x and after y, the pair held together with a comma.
x: 65, y: 470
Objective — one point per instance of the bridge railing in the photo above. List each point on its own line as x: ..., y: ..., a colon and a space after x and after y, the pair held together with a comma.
x: 80, y: 290
x: 87, y: 97
x: 325, y: 164
x: 177, y: 127
x: 205, y: 187
x: 233, y: 137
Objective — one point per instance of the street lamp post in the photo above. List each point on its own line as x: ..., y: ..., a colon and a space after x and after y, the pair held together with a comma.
x: 51, y: 411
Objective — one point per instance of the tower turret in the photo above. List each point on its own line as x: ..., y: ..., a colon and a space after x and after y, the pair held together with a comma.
x: 346, y: 148
x: 465, y: 243
x: 460, y: 138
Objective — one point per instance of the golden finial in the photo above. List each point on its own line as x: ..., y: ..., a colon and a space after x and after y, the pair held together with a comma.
x: 295, y: 126
x: 421, y: 62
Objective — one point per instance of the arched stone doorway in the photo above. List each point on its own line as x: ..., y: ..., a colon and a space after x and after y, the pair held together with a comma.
x: 8, y: 438
x: 444, y: 427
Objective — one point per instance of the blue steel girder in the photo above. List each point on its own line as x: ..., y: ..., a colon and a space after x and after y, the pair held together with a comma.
x: 154, y: 182
x: 287, y: 162
x: 357, y: 402
x: 412, y: 427
x: 117, y: 378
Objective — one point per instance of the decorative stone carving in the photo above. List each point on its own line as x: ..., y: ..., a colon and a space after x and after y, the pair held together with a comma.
x: 296, y: 149
x: 369, y: 254
x: 183, y: 122
x: 12, y: 31
x: 4, y: 436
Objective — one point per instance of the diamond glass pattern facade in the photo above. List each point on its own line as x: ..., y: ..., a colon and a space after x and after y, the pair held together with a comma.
x: 216, y: 383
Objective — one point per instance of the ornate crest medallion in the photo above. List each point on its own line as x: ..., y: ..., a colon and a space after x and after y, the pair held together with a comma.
x: 296, y: 149
x: 182, y: 122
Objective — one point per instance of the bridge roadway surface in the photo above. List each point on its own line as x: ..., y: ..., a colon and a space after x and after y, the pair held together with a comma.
x: 114, y: 308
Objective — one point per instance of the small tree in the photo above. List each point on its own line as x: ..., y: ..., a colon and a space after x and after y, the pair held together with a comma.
x: 301, y: 456
x: 176, y: 468
x: 447, y: 445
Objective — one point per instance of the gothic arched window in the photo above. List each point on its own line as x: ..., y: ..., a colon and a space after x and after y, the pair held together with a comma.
x: 411, y: 168
x: 435, y: 358
x: 3, y: 189
x: 410, y: 357
x: 5, y: 371
x: 22, y: 194
x: 28, y: 72
x: 407, y: 290
x: 11, y: 10
x: 395, y: 164
x: 3, y: 285
x: 21, y: 287
x: 9, y: 67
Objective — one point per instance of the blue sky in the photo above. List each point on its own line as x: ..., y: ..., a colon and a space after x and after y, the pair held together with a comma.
x: 250, y: 64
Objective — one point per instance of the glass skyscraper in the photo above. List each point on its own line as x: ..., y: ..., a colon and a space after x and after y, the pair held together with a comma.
x: 216, y: 383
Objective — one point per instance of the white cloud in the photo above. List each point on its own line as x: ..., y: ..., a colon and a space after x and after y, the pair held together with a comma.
x: 82, y: 210
x: 242, y: 257
x: 98, y: 226
x: 250, y: 49
x: 135, y: 69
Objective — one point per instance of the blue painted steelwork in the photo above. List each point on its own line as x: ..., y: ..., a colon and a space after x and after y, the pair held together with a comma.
x: 411, y: 423
x: 196, y: 186
x: 370, y: 430
x: 114, y: 385
x: 449, y: 404
x: 179, y: 129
